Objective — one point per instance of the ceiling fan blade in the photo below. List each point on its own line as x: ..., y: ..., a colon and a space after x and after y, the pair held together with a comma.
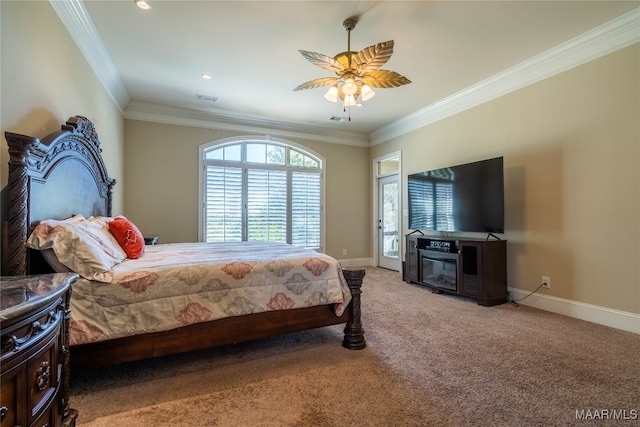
x: 323, y: 61
x: 312, y: 84
x: 384, y: 79
x: 373, y: 57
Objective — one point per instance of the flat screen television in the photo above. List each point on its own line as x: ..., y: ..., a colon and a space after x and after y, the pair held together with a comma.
x: 465, y: 198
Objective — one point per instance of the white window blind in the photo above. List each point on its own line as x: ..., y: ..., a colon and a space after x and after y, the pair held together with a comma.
x: 306, y: 209
x: 223, y: 209
x: 262, y: 191
x: 267, y: 205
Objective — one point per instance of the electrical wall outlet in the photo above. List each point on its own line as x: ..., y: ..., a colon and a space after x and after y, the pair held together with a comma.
x: 344, y: 252
x: 546, y: 282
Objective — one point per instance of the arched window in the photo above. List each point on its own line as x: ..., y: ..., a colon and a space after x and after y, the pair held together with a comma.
x: 253, y: 189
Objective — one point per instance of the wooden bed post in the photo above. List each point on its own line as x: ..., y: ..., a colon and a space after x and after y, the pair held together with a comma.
x: 353, y: 330
x: 20, y: 146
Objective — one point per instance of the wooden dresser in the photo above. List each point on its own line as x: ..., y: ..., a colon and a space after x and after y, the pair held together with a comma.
x: 34, y: 358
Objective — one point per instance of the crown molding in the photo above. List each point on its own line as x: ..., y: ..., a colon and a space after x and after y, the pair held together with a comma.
x: 75, y: 18
x: 607, y: 38
x: 235, y: 123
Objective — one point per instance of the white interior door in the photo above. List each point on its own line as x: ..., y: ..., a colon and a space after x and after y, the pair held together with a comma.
x: 389, y: 222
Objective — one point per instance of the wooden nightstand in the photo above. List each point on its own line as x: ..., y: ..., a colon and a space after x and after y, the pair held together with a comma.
x: 34, y: 358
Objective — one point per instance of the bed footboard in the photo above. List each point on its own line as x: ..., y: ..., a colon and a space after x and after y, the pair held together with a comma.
x: 228, y: 330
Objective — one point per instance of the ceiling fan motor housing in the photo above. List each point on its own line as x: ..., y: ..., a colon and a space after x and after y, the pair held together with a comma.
x: 349, y: 23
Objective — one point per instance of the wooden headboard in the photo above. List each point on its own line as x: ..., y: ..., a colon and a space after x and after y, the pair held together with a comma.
x: 60, y: 176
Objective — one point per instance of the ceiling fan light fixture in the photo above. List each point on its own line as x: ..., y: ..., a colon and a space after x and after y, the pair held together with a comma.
x: 142, y: 4
x: 366, y: 92
x: 332, y: 94
x: 350, y: 87
x: 349, y: 101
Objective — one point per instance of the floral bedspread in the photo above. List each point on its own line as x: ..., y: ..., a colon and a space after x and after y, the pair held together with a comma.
x: 177, y: 284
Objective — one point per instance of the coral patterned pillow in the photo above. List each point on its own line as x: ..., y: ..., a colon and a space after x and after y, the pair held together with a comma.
x: 128, y: 236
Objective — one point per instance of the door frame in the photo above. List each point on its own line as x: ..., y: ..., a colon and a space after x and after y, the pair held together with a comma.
x: 376, y: 215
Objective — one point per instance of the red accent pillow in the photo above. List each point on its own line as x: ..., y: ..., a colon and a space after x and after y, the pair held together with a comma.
x: 128, y: 236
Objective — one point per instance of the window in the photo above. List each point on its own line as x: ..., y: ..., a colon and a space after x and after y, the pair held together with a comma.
x: 261, y: 190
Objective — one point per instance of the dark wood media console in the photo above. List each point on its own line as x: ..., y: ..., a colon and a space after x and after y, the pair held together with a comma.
x: 475, y: 268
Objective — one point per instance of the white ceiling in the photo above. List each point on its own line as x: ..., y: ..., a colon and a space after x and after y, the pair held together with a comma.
x: 250, y: 48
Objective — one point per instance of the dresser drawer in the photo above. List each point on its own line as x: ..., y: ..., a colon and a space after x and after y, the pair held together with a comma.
x: 43, y: 378
x: 10, y: 397
x: 48, y: 419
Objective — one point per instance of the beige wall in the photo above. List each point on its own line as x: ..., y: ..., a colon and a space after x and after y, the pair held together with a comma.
x: 45, y: 80
x: 161, y: 170
x: 572, y: 181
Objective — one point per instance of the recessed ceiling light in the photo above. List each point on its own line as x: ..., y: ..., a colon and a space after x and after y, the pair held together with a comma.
x: 142, y: 4
x: 206, y: 76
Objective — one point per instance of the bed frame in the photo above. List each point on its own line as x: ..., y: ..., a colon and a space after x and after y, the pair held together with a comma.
x: 64, y: 175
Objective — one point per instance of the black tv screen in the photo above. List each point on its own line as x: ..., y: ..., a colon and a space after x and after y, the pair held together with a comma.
x: 467, y: 197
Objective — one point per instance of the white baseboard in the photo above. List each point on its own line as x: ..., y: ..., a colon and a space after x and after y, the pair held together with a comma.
x: 592, y: 313
x: 356, y: 262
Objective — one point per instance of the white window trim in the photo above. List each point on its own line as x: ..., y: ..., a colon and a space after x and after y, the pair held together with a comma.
x: 258, y: 138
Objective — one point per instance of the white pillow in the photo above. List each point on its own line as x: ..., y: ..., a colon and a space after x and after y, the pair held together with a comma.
x: 53, y: 262
x: 85, y: 246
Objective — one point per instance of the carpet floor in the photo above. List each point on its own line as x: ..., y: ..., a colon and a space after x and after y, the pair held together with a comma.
x: 431, y: 360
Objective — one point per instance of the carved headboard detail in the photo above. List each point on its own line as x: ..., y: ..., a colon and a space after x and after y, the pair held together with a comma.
x: 60, y: 176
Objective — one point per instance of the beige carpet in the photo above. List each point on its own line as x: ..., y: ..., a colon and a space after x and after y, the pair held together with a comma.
x: 431, y: 360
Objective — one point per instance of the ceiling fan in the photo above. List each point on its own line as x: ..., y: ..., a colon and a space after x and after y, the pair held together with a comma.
x: 357, y: 72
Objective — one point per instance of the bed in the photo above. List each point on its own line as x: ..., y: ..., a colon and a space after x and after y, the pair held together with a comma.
x: 64, y: 176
